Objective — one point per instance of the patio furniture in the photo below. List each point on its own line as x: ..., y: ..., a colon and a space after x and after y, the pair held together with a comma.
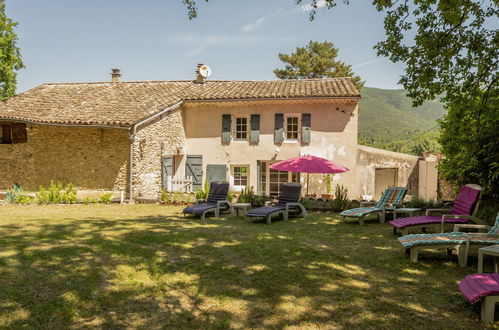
x: 490, y: 251
x: 389, y: 201
x: 217, y: 201
x: 484, y: 288
x: 459, y: 241
x: 244, y: 207
x: 288, y: 201
x: 465, y: 207
x: 406, y: 210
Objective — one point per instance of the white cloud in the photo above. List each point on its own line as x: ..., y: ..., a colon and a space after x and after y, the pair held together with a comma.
x: 309, y: 7
x: 368, y: 62
x: 198, y: 43
x: 258, y: 24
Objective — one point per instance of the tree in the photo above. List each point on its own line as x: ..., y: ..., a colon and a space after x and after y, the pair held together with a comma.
x: 315, y: 60
x: 10, y: 55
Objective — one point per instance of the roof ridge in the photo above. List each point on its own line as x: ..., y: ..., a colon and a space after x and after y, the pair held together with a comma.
x: 190, y: 81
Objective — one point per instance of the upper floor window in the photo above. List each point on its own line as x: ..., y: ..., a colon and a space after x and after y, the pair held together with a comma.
x: 13, y: 133
x: 241, y: 128
x: 292, y: 127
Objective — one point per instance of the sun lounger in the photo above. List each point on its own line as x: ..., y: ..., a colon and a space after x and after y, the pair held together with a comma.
x: 457, y: 240
x: 484, y: 288
x: 465, y: 207
x: 217, y: 201
x: 288, y: 201
x: 390, y: 200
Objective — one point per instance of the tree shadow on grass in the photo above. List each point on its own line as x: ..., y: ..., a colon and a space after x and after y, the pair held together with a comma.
x: 173, y: 272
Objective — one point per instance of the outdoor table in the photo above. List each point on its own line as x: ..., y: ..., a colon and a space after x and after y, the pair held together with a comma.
x: 245, y: 207
x: 405, y: 210
x: 491, y: 251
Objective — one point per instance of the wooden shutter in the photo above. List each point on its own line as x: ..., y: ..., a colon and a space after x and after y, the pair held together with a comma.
x: 226, y: 129
x: 306, y: 121
x: 216, y: 172
x: 6, y: 134
x: 167, y: 165
x: 279, y: 124
x: 194, y: 168
x: 255, y: 129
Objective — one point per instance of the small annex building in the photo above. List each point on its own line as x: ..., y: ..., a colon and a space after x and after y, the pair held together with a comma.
x: 142, y: 137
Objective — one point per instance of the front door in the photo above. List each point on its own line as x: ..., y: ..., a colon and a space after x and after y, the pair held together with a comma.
x: 194, y: 169
x: 216, y: 173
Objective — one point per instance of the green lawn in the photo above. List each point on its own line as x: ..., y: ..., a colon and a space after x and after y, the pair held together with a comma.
x: 145, y: 266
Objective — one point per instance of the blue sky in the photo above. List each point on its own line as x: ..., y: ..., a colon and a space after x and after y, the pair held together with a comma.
x: 81, y: 40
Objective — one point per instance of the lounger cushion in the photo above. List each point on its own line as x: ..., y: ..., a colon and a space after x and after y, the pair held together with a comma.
x: 360, y: 211
x: 392, y: 195
x: 198, y: 209
x: 475, y: 286
x: 264, y: 211
x: 465, y: 201
x: 423, y: 220
x: 409, y: 241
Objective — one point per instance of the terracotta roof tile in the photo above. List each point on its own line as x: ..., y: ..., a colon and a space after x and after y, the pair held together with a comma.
x: 124, y: 103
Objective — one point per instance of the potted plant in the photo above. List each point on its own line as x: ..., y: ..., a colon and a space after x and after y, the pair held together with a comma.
x: 327, y: 180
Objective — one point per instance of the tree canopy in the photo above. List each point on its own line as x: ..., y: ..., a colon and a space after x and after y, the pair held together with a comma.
x: 10, y: 55
x: 315, y: 60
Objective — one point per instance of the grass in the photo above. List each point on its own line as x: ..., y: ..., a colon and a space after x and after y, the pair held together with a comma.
x: 145, y: 266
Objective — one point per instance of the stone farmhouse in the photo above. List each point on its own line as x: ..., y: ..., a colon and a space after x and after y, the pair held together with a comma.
x: 144, y: 136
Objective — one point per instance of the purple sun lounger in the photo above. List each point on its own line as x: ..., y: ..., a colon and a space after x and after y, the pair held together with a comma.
x: 465, y: 207
x: 484, y: 288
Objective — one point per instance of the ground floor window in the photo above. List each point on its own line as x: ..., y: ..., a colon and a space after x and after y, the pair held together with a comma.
x: 13, y: 133
x: 270, y: 181
x: 240, y: 175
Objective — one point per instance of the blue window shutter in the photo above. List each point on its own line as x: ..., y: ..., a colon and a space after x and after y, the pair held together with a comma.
x: 279, y: 131
x: 306, y: 127
x: 226, y: 129
x: 167, y: 170
x: 255, y: 129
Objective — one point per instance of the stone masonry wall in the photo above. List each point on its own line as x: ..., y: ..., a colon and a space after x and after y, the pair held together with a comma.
x: 155, y: 140
x: 91, y: 158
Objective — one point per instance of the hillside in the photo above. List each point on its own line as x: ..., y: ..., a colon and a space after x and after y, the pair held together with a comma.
x: 388, y: 120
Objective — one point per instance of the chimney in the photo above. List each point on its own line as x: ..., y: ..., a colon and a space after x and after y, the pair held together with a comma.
x: 115, y: 75
x: 199, y: 78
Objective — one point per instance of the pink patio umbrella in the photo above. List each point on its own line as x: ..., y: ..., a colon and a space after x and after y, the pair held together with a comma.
x: 309, y: 164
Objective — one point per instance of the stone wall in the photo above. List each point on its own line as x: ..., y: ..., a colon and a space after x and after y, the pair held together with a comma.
x: 91, y: 158
x: 153, y: 141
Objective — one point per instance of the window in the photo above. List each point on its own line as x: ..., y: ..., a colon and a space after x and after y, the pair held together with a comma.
x: 13, y: 133
x: 271, y: 180
x: 292, y: 128
x: 240, y: 175
x: 241, y: 128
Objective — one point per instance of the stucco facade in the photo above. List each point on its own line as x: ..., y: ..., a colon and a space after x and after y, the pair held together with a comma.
x: 91, y: 158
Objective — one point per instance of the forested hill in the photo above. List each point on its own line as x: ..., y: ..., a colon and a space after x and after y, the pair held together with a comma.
x: 387, y: 120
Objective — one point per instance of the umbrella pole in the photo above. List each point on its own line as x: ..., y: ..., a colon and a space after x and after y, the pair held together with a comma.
x: 307, y: 182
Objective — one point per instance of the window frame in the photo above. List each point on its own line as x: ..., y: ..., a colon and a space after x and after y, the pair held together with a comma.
x: 236, y: 126
x: 298, y: 127
x: 247, y: 177
x: 12, y: 128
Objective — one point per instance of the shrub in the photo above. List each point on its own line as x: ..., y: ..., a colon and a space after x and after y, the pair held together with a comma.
x: 419, y: 202
x: 327, y: 181
x: 23, y: 199
x: 69, y: 194
x: 90, y: 200
x: 306, y: 202
x: 106, y: 198
x: 203, y: 193
x: 165, y: 196
x: 340, y: 200
x: 247, y: 196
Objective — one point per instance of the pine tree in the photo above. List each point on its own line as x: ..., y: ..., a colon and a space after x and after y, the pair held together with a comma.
x: 10, y: 55
x: 316, y: 60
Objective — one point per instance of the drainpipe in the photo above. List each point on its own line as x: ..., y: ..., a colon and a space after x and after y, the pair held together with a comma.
x: 131, y: 137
